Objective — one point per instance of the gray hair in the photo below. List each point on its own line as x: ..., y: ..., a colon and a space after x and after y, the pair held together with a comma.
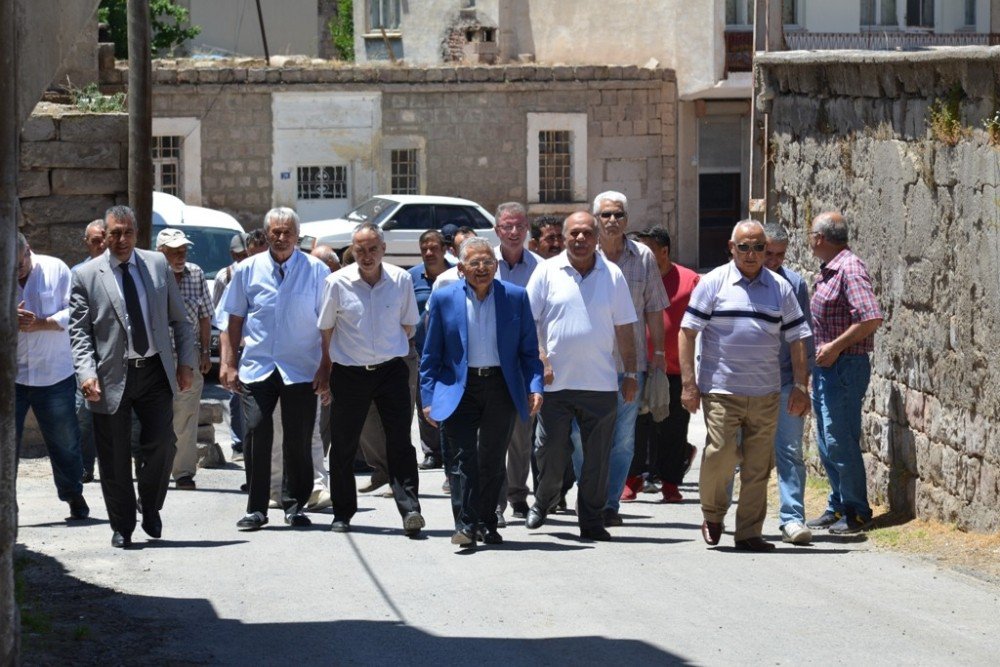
x: 775, y: 232
x: 369, y: 227
x: 832, y: 227
x: 22, y: 243
x: 511, y: 208
x: 95, y: 224
x: 281, y: 214
x: 610, y: 195
x: 122, y: 213
x: 473, y: 243
x: 746, y: 223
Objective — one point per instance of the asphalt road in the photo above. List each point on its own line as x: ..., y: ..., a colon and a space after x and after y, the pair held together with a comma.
x: 655, y: 595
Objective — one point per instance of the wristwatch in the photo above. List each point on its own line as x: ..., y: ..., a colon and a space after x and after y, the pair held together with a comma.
x: 803, y: 388
x: 633, y: 375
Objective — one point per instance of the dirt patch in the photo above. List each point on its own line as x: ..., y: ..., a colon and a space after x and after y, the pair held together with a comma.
x: 65, y: 621
x: 974, y: 554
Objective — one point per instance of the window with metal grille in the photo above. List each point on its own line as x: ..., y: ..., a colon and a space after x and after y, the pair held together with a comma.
x: 878, y: 13
x: 167, y: 165
x: 555, y: 181
x: 322, y: 182
x: 920, y: 13
x: 404, y: 177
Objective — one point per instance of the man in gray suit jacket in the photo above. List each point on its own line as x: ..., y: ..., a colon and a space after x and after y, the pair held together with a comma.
x: 124, y: 306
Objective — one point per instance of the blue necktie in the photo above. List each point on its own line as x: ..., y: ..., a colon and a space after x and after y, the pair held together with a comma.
x: 140, y: 343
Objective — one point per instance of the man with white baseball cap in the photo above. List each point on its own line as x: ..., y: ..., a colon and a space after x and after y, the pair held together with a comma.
x: 173, y: 243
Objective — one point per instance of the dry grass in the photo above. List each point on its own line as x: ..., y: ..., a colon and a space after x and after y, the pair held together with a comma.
x: 971, y: 553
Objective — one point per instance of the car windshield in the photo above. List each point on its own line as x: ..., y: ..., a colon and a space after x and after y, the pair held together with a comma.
x: 210, y: 250
x: 374, y: 210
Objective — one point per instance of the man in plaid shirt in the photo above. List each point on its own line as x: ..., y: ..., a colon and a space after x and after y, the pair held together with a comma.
x: 845, y: 317
x: 198, y: 304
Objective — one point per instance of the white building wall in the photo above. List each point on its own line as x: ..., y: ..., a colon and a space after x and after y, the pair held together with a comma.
x: 231, y: 26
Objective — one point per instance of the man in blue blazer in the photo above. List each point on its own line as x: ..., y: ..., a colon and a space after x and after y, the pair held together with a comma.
x: 480, y: 369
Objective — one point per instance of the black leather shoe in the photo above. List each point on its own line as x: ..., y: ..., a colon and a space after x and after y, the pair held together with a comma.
x: 535, y: 518
x: 598, y: 534
x: 88, y: 477
x: 340, y: 526
x: 430, y: 462
x: 711, y: 532
x: 757, y: 544
x: 297, y: 519
x: 78, y: 508
x: 612, y: 518
x: 151, y: 523
x: 252, y: 521
x: 519, y: 510
x: 492, y: 537
x: 120, y: 541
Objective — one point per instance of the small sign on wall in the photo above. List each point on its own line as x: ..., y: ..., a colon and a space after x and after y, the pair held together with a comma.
x: 286, y: 175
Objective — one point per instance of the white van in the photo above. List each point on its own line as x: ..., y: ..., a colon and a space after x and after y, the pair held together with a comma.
x: 210, y: 232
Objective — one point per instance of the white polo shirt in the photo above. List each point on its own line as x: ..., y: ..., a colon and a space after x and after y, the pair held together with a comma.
x: 576, y: 318
x: 367, y: 320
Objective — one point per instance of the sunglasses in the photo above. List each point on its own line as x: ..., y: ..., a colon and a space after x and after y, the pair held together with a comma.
x: 747, y: 247
x: 617, y: 215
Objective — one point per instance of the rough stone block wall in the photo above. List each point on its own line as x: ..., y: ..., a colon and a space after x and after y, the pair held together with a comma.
x: 473, y: 121
x: 73, y: 166
x: 851, y: 132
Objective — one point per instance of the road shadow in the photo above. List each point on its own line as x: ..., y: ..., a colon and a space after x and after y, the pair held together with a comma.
x: 94, y: 625
x: 68, y: 522
x: 782, y: 550
x: 618, y: 539
x: 180, y: 544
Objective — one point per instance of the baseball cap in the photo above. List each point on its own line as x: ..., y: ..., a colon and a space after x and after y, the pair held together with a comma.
x: 172, y: 238
x: 238, y: 243
x: 448, y: 231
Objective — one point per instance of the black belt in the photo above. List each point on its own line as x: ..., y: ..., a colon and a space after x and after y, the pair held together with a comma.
x: 141, y: 362
x: 375, y: 367
x: 484, y: 371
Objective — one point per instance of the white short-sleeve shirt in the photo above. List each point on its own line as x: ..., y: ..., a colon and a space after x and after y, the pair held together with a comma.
x: 367, y: 320
x: 576, y: 318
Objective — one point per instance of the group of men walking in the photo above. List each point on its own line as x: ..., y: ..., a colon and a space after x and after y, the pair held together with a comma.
x: 530, y: 360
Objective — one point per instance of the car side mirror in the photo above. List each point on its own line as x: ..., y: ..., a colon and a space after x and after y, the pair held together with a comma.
x: 388, y: 224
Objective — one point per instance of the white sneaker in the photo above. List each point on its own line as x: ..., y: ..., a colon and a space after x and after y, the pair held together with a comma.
x: 795, y: 533
x: 319, y: 500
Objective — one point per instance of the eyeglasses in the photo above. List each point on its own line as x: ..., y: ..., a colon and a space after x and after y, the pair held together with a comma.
x: 747, y: 247
x: 617, y: 215
x: 477, y: 264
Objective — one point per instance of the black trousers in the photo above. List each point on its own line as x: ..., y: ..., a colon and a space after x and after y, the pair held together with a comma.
x: 298, y: 414
x: 569, y: 477
x: 662, y: 447
x: 354, y: 389
x: 595, y: 411
x: 475, y: 450
x: 147, y: 393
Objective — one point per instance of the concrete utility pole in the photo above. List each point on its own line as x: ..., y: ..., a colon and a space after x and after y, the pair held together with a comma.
x: 9, y: 124
x: 140, y: 119
x: 768, y: 35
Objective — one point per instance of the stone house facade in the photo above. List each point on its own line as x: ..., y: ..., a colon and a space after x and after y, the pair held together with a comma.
x: 252, y: 137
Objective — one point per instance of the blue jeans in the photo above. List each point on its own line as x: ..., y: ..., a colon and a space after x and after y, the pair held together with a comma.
x: 838, y: 392
x: 55, y: 409
x: 789, y: 463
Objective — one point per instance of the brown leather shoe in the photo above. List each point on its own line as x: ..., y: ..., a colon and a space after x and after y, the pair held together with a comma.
x: 711, y: 531
x: 757, y: 544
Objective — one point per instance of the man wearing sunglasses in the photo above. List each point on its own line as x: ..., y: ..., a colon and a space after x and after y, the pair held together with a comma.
x: 743, y: 311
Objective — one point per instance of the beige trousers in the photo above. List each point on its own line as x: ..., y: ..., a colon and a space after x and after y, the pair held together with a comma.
x: 187, y: 405
x: 726, y: 418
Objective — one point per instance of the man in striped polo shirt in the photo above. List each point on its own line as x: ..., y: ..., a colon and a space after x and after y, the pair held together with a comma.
x: 742, y: 311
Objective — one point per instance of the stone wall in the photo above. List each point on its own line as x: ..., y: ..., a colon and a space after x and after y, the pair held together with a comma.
x: 473, y: 121
x: 851, y: 132
x: 73, y: 167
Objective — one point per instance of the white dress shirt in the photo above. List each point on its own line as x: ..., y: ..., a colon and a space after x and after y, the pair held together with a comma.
x: 140, y: 287
x: 576, y: 317
x: 44, y: 357
x: 367, y: 320
x: 279, y: 316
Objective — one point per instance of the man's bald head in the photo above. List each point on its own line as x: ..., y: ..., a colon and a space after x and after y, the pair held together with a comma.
x: 832, y: 226
x: 327, y: 255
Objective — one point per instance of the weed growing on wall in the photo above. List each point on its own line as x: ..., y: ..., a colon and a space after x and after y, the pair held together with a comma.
x: 944, y: 117
x: 992, y: 127
x: 90, y: 99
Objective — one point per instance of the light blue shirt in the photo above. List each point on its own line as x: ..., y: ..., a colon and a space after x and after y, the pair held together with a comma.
x: 140, y: 288
x: 802, y: 296
x: 742, y: 323
x: 520, y: 272
x: 279, y: 316
x: 482, y: 320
